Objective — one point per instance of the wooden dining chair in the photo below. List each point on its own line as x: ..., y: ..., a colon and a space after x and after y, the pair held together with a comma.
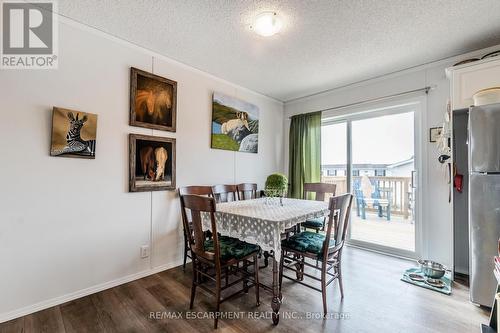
x: 186, y: 222
x: 320, y: 190
x: 218, y: 253
x: 326, y: 249
x: 247, y: 191
x: 225, y: 193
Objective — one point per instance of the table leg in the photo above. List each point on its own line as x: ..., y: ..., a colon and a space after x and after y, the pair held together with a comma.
x: 267, y: 255
x: 276, y: 302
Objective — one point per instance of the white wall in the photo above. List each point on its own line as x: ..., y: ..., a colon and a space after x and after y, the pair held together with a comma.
x: 437, y: 240
x: 69, y: 227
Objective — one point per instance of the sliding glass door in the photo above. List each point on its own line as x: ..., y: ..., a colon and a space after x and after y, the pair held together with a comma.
x: 334, y: 166
x: 373, y: 156
x: 382, y: 165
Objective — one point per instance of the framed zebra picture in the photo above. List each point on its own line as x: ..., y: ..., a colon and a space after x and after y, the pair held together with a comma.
x: 153, y: 101
x: 73, y: 133
x: 151, y: 163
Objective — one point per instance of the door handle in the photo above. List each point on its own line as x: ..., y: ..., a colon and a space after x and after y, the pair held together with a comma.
x: 413, y: 179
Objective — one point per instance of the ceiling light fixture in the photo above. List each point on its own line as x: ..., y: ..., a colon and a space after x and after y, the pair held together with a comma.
x: 267, y: 24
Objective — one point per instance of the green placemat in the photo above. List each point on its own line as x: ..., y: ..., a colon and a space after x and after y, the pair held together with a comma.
x: 446, y: 279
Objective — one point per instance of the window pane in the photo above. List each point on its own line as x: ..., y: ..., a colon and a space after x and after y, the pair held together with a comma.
x: 383, y: 160
x: 334, y: 156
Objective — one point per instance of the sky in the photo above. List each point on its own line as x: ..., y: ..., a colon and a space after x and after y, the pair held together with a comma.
x: 238, y: 104
x: 387, y: 139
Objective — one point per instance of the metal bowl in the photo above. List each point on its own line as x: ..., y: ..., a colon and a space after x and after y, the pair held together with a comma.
x: 432, y: 269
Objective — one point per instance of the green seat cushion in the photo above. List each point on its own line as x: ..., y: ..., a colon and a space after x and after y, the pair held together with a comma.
x: 316, y: 223
x: 306, y: 241
x: 231, y: 248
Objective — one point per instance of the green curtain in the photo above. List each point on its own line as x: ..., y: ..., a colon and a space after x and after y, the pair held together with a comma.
x: 305, y: 152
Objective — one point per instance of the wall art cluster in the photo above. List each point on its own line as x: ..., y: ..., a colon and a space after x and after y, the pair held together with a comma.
x: 153, y: 105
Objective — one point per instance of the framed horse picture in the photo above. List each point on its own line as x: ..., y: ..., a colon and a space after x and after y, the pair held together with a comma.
x: 73, y: 133
x: 151, y: 163
x: 235, y: 124
x: 153, y: 101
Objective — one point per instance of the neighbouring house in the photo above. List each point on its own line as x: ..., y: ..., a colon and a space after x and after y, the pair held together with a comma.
x: 398, y: 169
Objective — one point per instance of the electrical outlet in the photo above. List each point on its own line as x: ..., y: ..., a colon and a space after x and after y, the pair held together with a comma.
x: 144, y: 251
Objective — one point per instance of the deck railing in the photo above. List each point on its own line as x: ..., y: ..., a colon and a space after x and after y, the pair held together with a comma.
x: 398, y: 189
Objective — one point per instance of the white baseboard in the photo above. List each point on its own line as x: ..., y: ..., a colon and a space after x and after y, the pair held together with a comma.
x: 84, y: 292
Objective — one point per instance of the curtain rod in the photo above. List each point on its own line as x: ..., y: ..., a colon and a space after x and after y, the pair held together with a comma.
x: 425, y: 89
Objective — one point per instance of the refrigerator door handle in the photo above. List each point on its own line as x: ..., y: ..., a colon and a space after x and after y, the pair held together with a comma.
x: 413, y: 179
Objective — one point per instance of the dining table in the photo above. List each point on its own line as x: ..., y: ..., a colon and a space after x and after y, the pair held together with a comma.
x: 263, y: 221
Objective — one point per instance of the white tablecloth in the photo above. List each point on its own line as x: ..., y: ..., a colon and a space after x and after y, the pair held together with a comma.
x: 262, y: 221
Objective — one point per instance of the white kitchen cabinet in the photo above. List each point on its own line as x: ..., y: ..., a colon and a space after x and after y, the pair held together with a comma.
x: 467, y: 79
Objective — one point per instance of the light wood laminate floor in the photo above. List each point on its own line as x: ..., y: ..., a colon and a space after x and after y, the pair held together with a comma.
x: 375, y: 301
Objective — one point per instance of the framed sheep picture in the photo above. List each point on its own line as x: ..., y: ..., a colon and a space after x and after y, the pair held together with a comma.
x: 151, y: 163
x: 235, y: 124
x: 73, y: 133
x: 153, y: 101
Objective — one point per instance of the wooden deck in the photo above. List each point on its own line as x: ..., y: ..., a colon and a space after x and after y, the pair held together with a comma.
x: 398, y: 232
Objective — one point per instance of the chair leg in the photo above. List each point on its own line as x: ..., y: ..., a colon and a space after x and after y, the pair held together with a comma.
x: 227, y: 275
x: 217, y: 296
x: 298, y: 267
x: 185, y: 259
x: 195, y: 281
x: 256, y: 278
x: 245, y: 277
x: 266, y: 259
x: 341, y: 286
x: 282, y: 260
x: 185, y: 253
x: 323, y: 287
x: 302, y: 267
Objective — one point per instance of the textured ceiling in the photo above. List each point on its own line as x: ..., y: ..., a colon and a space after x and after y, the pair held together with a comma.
x: 324, y: 44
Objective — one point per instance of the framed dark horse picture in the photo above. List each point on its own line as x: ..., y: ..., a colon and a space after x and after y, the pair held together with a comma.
x: 153, y: 101
x: 152, y: 163
x: 73, y: 133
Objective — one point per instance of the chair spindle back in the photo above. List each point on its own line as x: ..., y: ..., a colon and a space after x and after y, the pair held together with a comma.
x: 225, y: 193
x: 247, y: 191
x: 197, y: 205
x: 338, y: 221
x: 320, y: 189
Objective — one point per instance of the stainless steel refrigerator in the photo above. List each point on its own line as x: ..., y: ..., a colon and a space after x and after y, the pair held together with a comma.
x: 484, y: 200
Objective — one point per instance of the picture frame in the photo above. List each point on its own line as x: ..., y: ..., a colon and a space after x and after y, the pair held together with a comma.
x: 74, y: 133
x: 235, y: 124
x: 434, y: 133
x: 153, y: 101
x: 152, y: 163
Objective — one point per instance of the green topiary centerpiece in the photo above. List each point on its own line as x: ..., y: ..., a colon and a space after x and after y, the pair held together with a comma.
x: 276, y: 185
